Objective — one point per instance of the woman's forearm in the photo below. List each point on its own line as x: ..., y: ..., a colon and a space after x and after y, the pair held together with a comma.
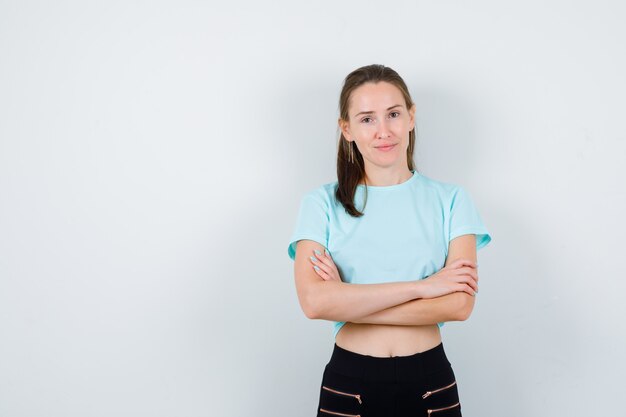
x: 456, y: 306
x: 387, y: 303
x: 340, y: 301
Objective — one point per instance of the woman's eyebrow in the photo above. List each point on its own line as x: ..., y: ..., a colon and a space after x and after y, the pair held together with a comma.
x: 370, y: 111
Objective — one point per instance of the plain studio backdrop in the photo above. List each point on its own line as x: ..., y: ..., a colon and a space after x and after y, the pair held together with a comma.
x: 152, y: 160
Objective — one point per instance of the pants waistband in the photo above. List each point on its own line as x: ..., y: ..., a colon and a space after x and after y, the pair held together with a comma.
x: 394, y: 368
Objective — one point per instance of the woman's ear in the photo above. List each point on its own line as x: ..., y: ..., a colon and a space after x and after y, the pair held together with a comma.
x: 412, y: 116
x: 345, y: 128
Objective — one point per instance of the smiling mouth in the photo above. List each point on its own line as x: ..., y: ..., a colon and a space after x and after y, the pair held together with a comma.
x: 384, y: 148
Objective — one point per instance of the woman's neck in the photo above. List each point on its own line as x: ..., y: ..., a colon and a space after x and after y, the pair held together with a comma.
x: 385, y: 177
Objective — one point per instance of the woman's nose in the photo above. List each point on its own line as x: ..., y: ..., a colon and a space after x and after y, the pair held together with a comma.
x: 383, y: 130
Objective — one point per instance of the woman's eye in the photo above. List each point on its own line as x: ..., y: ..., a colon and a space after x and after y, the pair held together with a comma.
x: 395, y: 112
x: 364, y: 119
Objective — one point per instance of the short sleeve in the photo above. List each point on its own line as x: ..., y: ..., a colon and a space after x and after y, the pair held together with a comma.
x: 464, y: 219
x: 311, y: 223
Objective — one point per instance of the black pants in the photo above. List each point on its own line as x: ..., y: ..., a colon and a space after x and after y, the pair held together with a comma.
x: 422, y: 384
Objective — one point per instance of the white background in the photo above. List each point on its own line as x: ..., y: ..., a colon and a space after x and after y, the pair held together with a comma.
x: 152, y: 160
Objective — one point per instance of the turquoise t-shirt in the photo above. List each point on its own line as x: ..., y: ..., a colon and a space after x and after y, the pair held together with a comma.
x: 403, y: 235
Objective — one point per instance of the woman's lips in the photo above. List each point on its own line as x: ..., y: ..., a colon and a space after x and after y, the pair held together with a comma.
x: 385, y: 148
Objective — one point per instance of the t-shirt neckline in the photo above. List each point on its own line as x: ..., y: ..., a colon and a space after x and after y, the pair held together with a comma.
x: 411, y: 179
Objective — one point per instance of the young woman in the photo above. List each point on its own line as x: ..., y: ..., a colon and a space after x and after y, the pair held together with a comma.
x: 388, y: 255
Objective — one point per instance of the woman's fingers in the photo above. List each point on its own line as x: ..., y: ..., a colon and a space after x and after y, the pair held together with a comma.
x: 466, y: 288
x: 472, y: 284
x: 458, y: 263
x: 471, y: 271
x: 322, y: 274
x: 326, y: 259
x: 326, y: 265
x: 469, y: 280
x: 460, y: 275
x: 320, y: 264
x: 468, y: 271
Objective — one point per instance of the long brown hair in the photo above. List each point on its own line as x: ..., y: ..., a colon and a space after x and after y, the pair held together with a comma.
x: 350, y: 174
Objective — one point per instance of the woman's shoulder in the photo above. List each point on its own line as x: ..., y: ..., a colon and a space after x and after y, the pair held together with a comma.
x: 323, y: 190
x: 439, y: 186
x: 324, y: 193
x: 447, y: 192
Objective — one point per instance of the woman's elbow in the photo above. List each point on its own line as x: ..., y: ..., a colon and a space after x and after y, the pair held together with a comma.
x: 309, y: 311
x: 315, y: 301
x: 310, y: 304
x: 465, y: 306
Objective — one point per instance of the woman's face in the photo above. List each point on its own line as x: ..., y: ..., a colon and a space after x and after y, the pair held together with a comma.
x: 379, y: 123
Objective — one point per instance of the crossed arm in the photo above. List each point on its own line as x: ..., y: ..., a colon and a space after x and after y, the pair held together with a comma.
x: 396, y: 303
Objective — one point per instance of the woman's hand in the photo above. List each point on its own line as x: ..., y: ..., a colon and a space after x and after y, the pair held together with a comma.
x: 326, y: 268
x: 460, y: 276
